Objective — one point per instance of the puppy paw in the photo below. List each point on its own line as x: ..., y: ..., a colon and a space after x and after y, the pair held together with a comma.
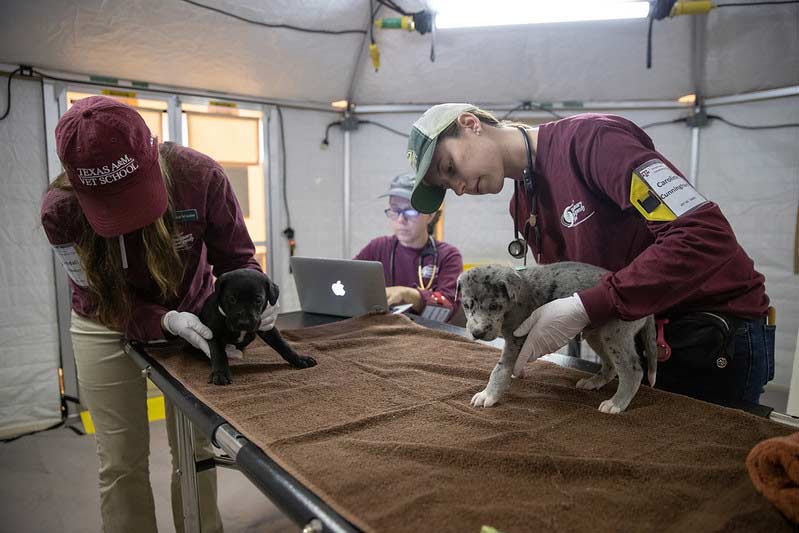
x: 220, y: 377
x: 483, y: 399
x: 520, y: 373
x: 610, y: 407
x: 232, y: 352
x: 520, y: 368
x: 305, y: 361
x: 591, y: 383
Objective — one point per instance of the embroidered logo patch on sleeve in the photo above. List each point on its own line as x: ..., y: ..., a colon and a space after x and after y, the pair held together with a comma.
x: 661, y: 195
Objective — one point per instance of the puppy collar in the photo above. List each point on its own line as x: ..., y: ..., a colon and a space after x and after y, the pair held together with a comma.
x: 220, y: 310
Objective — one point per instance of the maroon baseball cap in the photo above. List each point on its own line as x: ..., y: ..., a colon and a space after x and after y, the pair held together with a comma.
x: 111, y: 160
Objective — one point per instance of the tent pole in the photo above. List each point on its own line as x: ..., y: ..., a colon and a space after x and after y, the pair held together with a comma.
x: 359, y: 57
x: 694, y: 173
x: 347, y: 200
x: 699, y: 40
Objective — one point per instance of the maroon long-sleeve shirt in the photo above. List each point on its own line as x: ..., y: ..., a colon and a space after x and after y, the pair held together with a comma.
x: 585, y: 166
x: 211, y: 238
x: 406, y: 263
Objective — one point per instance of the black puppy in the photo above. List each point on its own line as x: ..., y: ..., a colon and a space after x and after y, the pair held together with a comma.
x: 233, y: 314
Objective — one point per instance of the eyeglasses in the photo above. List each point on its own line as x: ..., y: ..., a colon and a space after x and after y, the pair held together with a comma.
x: 394, y: 214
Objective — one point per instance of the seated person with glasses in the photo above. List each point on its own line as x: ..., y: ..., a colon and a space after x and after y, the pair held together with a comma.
x: 419, y: 270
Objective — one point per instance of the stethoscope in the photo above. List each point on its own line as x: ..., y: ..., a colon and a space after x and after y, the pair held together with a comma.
x: 518, y: 246
x: 430, y: 249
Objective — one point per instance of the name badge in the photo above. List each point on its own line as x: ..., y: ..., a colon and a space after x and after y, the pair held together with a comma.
x: 187, y: 215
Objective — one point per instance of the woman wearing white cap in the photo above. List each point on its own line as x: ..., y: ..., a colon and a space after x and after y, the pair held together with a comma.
x: 142, y: 229
x: 419, y: 270
x: 592, y: 188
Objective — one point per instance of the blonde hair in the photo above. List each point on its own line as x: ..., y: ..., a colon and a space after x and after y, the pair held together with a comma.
x: 102, y: 261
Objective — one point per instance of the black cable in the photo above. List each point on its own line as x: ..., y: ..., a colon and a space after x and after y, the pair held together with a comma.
x: 379, y: 125
x: 529, y: 106
x: 724, y: 120
x: 338, y: 123
x: 372, y: 12
x: 270, y: 25
x: 288, y: 232
x: 758, y: 3
x: 393, y: 5
x: 327, y: 131
x: 180, y: 91
x: 745, y: 127
x: 283, y: 164
x: 649, y: 43
x: 54, y: 426
x: 663, y: 123
x: 8, y: 92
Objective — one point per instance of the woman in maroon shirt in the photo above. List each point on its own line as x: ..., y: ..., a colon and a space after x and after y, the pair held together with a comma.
x: 592, y: 188
x: 141, y: 229
x: 419, y: 270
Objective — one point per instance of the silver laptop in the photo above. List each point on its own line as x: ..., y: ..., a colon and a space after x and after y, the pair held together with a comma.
x: 340, y: 287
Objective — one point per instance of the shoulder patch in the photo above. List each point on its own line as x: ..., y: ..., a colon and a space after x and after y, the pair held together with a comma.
x: 661, y: 195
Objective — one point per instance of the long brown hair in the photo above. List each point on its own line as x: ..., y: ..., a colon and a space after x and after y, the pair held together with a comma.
x: 101, y: 258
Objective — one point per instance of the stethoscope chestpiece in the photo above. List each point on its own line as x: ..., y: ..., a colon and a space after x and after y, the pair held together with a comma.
x: 517, y: 248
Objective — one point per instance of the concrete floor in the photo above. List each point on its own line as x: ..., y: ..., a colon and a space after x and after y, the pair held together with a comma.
x: 50, y: 484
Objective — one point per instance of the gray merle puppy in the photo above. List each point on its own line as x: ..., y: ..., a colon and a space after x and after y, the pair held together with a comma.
x: 497, y: 299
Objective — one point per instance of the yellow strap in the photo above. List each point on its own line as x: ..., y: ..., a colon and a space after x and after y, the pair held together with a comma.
x: 639, y: 192
x: 421, y: 281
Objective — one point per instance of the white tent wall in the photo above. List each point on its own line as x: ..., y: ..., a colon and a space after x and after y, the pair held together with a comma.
x: 754, y: 177
x: 315, y: 194
x: 29, y: 344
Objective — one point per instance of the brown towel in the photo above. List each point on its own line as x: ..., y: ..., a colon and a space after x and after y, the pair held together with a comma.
x: 382, y: 430
x: 774, y: 468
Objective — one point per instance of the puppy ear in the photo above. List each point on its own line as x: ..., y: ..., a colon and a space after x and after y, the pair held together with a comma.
x: 219, y: 285
x: 458, y: 288
x: 512, y: 282
x: 272, y: 290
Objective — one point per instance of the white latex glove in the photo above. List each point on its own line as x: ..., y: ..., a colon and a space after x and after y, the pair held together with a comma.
x: 551, y: 326
x: 188, y: 327
x: 269, y: 317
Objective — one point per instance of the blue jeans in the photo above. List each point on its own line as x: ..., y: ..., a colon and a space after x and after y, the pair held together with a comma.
x: 738, y: 384
x: 754, y: 341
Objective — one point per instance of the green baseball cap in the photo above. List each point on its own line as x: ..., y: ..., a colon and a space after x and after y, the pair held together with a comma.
x: 421, y: 147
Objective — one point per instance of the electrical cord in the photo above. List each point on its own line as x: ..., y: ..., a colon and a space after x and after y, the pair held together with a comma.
x: 663, y: 123
x: 8, y: 92
x: 528, y: 106
x: 325, y: 142
x: 339, y: 123
x: 387, y: 128
x: 725, y: 121
x: 762, y: 127
x: 372, y: 13
x: 393, y: 5
x: 272, y: 25
x: 288, y: 232
x: 179, y: 91
x: 57, y: 425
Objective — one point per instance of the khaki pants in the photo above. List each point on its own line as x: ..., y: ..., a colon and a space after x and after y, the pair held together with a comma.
x: 115, y: 392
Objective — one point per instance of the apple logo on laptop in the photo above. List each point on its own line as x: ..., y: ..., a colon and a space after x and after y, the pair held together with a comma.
x: 338, y: 288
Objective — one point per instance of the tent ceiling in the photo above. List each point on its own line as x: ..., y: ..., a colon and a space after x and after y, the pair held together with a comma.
x: 175, y: 43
